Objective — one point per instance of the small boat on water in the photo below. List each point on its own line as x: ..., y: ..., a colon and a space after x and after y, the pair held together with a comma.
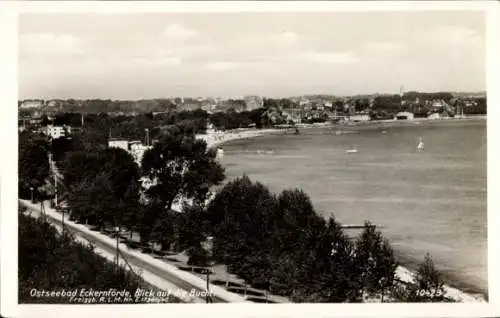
x: 220, y: 152
x: 420, y: 146
x: 353, y: 150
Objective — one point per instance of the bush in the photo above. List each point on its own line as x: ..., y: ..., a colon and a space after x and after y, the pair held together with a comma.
x: 375, y: 259
x: 50, y: 262
x: 429, y: 281
x: 428, y: 285
x: 198, y: 256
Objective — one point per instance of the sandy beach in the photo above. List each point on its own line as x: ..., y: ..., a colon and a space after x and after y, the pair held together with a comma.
x: 215, y: 139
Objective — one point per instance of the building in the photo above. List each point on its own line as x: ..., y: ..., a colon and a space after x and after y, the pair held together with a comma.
x: 53, y: 103
x: 360, y: 117
x: 253, y: 102
x: 209, y: 108
x: 437, y: 104
x: 56, y: 132
x: 118, y: 143
x: 293, y: 116
x: 191, y: 105
x: 137, y: 150
x: 35, y: 103
x: 434, y: 116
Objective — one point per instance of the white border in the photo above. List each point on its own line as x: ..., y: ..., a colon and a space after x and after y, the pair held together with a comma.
x: 8, y: 99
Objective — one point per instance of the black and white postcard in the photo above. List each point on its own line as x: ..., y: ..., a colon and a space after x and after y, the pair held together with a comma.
x: 339, y: 156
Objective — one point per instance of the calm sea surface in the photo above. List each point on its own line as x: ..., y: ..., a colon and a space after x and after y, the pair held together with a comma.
x: 433, y: 201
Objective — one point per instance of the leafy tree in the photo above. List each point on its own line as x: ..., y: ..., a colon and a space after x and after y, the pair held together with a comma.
x: 375, y: 259
x: 79, y: 166
x: 91, y: 200
x: 427, y: 287
x: 51, y: 262
x: 90, y: 139
x: 164, y: 229
x: 60, y: 147
x: 180, y: 166
x: 239, y: 217
x: 282, y: 243
x: 192, y: 226
x: 103, y: 187
x: 338, y: 279
x: 429, y: 281
x: 33, y: 164
x: 198, y: 256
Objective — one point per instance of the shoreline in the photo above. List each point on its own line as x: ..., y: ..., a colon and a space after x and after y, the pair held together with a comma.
x: 403, y: 271
x: 452, y: 282
x: 214, y: 139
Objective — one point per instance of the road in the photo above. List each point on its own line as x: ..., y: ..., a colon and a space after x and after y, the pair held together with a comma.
x: 132, y: 259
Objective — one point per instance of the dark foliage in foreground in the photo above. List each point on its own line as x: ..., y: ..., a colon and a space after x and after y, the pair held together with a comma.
x: 50, y: 262
x: 181, y: 166
x: 428, y: 285
x: 102, y: 188
x: 33, y: 164
x: 281, y: 243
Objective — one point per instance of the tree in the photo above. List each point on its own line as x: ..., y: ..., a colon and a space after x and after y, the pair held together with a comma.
x: 375, y: 260
x: 240, y: 218
x: 198, y: 256
x: 327, y: 271
x: 192, y: 225
x: 96, y: 200
x: 427, y: 286
x: 429, y: 282
x: 33, y: 164
x: 180, y: 167
x: 90, y: 140
x: 103, y: 187
x: 78, y: 166
x: 48, y: 261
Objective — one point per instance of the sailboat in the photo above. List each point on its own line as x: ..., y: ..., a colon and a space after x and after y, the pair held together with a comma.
x: 220, y: 152
x: 420, y: 146
x: 353, y: 150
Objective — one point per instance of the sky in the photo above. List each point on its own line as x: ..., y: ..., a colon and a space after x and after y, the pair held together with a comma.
x: 274, y: 54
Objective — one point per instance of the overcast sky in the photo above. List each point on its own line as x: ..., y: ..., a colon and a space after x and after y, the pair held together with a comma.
x: 132, y: 56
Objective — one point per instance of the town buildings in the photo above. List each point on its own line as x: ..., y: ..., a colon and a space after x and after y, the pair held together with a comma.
x: 253, y: 102
x: 118, y: 143
x: 135, y: 148
x: 31, y: 103
x: 55, y: 132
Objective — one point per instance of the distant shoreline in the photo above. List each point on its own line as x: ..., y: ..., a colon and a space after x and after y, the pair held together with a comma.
x: 219, y: 138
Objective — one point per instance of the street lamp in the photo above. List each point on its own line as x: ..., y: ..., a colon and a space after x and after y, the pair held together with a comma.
x: 31, y: 189
x: 117, y: 230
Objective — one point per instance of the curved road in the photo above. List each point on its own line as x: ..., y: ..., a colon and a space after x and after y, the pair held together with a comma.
x: 133, y: 260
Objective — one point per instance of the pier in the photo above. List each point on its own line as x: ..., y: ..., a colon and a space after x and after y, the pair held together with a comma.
x: 360, y: 226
